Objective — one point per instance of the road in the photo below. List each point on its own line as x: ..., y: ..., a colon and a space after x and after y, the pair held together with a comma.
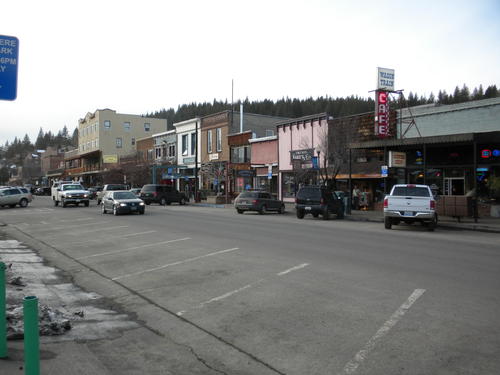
x: 253, y: 294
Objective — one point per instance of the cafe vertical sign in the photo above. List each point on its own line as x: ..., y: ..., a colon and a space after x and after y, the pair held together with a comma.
x: 9, y: 55
x: 385, y: 84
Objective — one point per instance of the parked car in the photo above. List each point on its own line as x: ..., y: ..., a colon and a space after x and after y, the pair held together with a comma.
x: 93, y: 190
x: 136, y: 191
x: 13, y: 196
x: 109, y: 187
x: 122, y: 202
x: 162, y: 194
x: 409, y: 204
x: 259, y: 201
x: 318, y: 200
x: 42, y: 191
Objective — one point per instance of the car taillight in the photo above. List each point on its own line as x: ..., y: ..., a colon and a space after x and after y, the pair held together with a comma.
x: 254, y: 201
x: 296, y: 200
x: 433, y: 205
x: 386, y: 203
x: 155, y: 193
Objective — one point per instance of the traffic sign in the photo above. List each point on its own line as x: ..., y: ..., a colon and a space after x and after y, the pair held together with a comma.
x: 9, y: 55
x: 384, y: 171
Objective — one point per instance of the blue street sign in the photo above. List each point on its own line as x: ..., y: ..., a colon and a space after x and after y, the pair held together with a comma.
x: 384, y: 171
x: 315, y: 162
x: 9, y: 54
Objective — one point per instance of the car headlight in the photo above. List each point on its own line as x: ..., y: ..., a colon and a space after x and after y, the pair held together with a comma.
x: 85, y: 195
x: 141, y: 204
x: 123, y: 204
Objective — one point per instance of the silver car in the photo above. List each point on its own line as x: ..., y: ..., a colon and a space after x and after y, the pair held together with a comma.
x: 13, y: 196
x: 122, y: 202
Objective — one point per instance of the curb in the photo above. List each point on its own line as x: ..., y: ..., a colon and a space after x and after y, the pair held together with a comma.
x: 471, y: 227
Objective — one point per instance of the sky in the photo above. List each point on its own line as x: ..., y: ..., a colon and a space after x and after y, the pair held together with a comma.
x: 137, y: 57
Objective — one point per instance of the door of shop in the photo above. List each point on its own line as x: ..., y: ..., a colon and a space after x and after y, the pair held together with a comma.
x: 454, y: 186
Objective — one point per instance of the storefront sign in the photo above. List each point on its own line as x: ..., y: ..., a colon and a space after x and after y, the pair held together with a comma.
x: 246, y: 173
x: 397, y: 159
x: 382, y: 114
x: 385, y: 79
x: 110, y: 158
x: 188, y: 160
x: 213, y: 156
x: 302, y: 155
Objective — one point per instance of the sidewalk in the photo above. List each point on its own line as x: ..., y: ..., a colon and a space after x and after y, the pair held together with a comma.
x: 484, y: 224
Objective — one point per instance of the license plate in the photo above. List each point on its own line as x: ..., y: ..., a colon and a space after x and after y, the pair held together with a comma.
x: 78, y: 201
x: 308, y: 208
x: 408, y: 213
x: 133, y: 208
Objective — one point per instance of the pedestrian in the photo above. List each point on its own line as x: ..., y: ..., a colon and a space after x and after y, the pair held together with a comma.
x: 356, y: 194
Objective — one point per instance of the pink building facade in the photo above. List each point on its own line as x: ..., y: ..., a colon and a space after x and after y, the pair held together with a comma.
x: 300, y: 141
x: 264, y: 160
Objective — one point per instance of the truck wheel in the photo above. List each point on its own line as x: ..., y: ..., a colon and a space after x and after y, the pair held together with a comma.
x: 87, y: 203
x: 432, y: 224
x: 23, y: 203
x: 300, y: 214
x: 326, y: 214
x: 64, y: 204
x: 340, y: 213
x: 56, y: 203
x: 387, y: 223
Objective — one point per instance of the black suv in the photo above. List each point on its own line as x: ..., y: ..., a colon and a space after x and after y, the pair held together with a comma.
x: 162, y: 194
x: 318, y: 200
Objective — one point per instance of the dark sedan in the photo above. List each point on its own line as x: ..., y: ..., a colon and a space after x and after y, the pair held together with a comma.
x: 122, y: 202
x: 259, y: 201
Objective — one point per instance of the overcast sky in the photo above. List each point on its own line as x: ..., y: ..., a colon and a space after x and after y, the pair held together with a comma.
x: 141, y: 56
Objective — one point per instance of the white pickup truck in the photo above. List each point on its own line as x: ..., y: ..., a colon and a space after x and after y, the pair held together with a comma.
x: 70, y: 193
x: 409, y: 204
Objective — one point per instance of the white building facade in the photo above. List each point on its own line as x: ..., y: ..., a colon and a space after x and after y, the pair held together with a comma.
x: 188, y: 154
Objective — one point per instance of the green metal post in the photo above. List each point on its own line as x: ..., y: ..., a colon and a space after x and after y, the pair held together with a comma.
x: 31, y: 339
x: 3, y: 318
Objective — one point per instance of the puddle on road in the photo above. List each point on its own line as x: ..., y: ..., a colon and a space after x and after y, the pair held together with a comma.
x: 90, y: 319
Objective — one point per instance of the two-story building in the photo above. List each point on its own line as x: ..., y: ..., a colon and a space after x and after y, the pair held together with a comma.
x: 104, y: 137
x: 217, y: 170
x: 188, y: 155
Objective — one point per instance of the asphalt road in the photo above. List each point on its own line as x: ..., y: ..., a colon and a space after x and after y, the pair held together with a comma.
x: 270, y: 294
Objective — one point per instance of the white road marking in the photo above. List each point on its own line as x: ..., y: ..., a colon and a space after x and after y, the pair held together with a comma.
x: 229, y: 294
x: 175, y: 263
x: 132, y: 248
x: 293, y: 269
x: 137, y: 234
x: 82, y: 219
x: 360, y: 356
x: 77, y: 225
x: 98, y: 229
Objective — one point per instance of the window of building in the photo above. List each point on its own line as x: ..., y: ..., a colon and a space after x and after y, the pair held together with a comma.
x: 107, y: 124
x: 97, y: 142
x: 118, y: 142
x: 171, y: 150
x: 133, y: 141
x: 88, y: 145
x: 269, y: 133
x: 193, y: 143
x: 93, y: 143
x: 219, y: 139
x: 184, y: 144
x: 126, y: 126
x: 150, y: 155
x: 240, y: 154
x: 147, y: 126
x: 209, y: 141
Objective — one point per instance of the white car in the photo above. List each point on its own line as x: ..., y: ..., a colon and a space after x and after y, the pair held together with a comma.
x: 13, y: 196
